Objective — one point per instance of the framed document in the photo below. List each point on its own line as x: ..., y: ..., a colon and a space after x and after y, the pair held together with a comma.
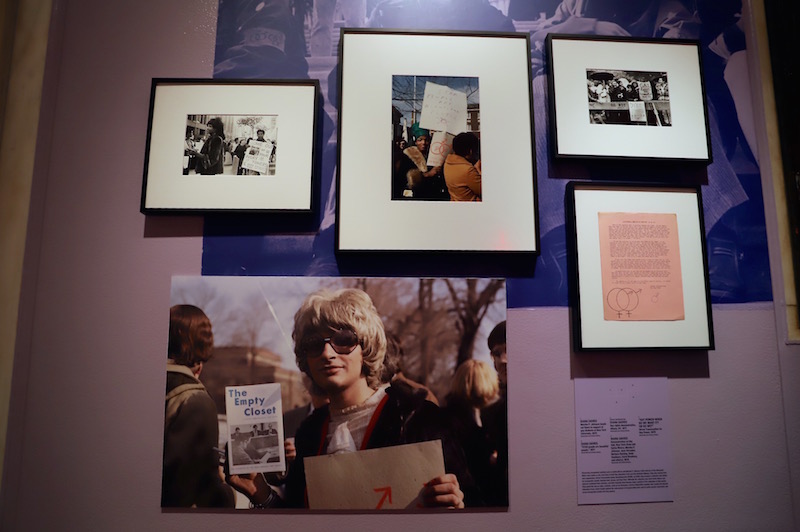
x: 627, y: 98
x: 230, y: 145
x: 640, y: 275
x: 435, y: 154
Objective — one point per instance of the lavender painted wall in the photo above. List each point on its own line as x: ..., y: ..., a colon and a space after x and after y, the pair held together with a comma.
x: 85, y: 437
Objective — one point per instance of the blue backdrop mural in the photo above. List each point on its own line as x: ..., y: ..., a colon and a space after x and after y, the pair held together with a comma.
x: 275, y: 39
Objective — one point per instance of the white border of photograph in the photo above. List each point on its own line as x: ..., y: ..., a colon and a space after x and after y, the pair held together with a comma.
x: 695, y: 331
x: 368, y: 219
x: 569, y: 56
x: 166, y: 189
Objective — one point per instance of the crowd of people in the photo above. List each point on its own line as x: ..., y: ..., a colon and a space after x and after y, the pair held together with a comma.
x: 211, y: 152
x: 361, y: 400
x: 606, y: 91
x: 621, y: 89
x: 457, y: 179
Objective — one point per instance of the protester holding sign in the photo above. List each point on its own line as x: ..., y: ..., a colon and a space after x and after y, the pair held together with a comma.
x: 340, y: 343
x: 462, y: 168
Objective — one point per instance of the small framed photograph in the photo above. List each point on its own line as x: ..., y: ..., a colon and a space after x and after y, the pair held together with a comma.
x: 627, y: 98
x: 640, y: 274
x: 436, y: 155
x: 230, y: 145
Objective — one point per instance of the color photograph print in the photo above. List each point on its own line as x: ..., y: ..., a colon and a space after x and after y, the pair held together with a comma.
x: 628, y: 97
x: 445, y: 354
x: 436, y: 138
x: 230, y: 145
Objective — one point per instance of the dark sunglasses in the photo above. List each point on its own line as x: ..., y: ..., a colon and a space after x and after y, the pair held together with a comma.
x: 343, y: 341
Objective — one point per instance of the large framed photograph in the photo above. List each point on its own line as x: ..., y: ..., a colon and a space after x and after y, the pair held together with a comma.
x: 230, y: 145
x: 640, y: 275
x: 622, y: 97
x: 373, y: 383
x: 436, y: 155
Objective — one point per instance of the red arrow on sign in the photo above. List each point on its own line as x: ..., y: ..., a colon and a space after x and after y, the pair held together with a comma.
x: 387, y: 493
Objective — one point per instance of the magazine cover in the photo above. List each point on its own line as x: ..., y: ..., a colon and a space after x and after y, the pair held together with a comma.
x: 255, y: 429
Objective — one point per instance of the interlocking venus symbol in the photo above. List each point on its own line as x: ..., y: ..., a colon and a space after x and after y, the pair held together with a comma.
x: 623, y: 300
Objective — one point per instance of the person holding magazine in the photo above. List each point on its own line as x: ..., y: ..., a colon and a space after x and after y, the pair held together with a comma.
x: 340, y: 343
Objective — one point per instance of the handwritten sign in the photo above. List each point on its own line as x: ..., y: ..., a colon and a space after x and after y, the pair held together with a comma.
x: 256, y: 156
x: 443, y: 109
x: 376, y: 479
x: 441, y: 145
x: 255, y: 427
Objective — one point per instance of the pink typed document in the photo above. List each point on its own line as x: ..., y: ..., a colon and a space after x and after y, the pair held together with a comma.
x: 641, y: 266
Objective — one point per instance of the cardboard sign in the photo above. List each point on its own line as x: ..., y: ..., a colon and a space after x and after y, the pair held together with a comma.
x: 376, y: 479
x: 443, y: 109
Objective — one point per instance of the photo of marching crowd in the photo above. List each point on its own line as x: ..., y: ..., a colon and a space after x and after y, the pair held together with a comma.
x: 436, y: 148
x: 628, y: 97
x: 230, y: 144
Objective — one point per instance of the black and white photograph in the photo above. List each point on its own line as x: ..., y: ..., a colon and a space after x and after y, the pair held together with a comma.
x: 436, y: 149
x: 212, y: 146
x: 628, y: 97
x: 417, y: 359
x: 600, y: 88
x: 255, y: 443
x: 413, y: 180
x: 230, y: 145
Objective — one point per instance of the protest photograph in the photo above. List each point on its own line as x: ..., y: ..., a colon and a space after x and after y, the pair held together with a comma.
x: 628, y: 97
x: 230, y: 144
x: 436, y: 138
x: 397, y: 383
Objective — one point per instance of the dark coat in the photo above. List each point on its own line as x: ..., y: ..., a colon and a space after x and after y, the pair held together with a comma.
x: 495, y: 421
x: 190, y: 474
x: 477, y: 444
x: 211, y: 156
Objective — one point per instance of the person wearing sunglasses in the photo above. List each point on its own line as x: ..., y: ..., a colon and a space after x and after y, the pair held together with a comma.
x: 340, y: 343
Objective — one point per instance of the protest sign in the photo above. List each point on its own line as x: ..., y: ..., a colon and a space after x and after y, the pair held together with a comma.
x: 256, y: 156
x: 255, y: 427
x: 389, y: 478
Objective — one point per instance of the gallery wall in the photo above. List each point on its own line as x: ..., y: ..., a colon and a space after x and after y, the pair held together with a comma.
x: 85, y: 430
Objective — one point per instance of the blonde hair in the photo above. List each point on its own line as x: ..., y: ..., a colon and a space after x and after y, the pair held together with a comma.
x: 475, y: 383
x: 348, y: 308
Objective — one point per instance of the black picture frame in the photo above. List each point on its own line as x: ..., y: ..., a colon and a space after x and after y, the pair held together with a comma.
x: 620, y: 304
x: 627, y: 98
x: 369, y: 218
x: 281, y: 181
